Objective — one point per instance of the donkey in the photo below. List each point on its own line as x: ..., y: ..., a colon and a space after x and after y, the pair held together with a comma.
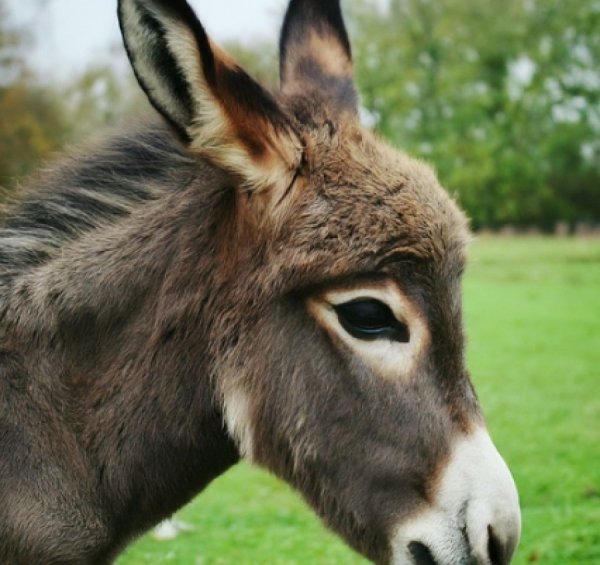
x: 253, y: 276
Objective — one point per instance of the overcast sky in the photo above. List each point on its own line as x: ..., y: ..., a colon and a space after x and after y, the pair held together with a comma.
x: 69, y: 34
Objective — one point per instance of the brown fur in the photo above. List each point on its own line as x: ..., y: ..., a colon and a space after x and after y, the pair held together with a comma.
x: 120, y: 346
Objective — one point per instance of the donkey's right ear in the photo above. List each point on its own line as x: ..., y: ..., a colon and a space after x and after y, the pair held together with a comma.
x: 214, y: 106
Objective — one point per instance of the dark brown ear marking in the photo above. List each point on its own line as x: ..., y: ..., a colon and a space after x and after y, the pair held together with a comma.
x: 156, y: 66
x: 213, y: 105
x: 166, y: 70
x: 315, y: 53
x: 252, y: 110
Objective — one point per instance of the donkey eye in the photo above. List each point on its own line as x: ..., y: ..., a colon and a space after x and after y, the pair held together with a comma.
x: 370, y: 319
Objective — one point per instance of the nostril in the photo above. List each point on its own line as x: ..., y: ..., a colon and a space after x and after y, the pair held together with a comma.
x: 496, y: 550
x: 421, y: 553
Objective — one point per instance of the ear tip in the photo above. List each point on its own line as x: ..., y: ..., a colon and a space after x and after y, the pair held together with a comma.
x: 315, y: 54
x: 309, y: 13
x: 180, y: 10
x: 316, y: 9
x: 180, y: 7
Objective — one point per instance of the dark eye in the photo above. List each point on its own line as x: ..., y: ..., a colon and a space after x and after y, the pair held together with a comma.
x: 369, y: 319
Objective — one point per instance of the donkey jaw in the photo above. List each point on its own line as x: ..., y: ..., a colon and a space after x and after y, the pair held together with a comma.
x: 474, y: 517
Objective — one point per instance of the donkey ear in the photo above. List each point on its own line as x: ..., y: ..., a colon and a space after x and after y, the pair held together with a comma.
x: 214, y: 106
x: 315, y: 53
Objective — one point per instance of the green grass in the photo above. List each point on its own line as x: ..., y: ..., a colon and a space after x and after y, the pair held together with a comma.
x: 533, y: 316
x: 532, y: 308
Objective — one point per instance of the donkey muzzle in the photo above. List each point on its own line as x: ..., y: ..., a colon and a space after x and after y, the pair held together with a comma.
x: 474, y: 518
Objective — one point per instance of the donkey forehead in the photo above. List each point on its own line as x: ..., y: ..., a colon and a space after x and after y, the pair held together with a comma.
x: 377, y: 201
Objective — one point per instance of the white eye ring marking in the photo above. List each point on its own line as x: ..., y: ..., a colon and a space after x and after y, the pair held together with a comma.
x: 389, y: 359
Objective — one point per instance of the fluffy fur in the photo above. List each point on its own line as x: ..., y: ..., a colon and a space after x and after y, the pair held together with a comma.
x: 153, y: 321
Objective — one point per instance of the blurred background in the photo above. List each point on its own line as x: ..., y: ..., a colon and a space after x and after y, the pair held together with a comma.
x: 503, y: 98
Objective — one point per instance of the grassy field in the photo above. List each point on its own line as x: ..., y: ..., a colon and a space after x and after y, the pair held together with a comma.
x: 533, y: 319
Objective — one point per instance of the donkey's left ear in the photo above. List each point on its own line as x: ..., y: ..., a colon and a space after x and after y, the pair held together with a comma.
x: 315, y: 54
x: 213, y: 105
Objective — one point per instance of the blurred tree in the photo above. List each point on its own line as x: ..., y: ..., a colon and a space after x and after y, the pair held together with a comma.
x: 259, y: 59
x: 102, y: 97
x: 31, y: 116
x: 505, y: 103
x: 37, y: 119
x: 11, y: 40
x: 31, y: 128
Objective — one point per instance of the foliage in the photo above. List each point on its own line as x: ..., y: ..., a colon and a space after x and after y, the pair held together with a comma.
x: 101, y: 98
x: 531, y: 312
x: 258, y: 58
x: 31, y: 128
x: 37, y: 119
x: 30, y: 117
x: 505, y: 103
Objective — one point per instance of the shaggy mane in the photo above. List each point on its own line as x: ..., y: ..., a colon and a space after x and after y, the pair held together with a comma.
x: 86, y: 193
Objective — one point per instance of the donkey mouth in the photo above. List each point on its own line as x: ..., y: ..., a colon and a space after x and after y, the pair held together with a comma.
x: 458, y: 552
x: 497, y: 552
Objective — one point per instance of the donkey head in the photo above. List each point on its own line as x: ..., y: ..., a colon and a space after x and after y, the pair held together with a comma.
x: 335, y: 331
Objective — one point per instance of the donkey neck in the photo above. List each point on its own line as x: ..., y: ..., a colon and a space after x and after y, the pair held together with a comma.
x: 96, y: 321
